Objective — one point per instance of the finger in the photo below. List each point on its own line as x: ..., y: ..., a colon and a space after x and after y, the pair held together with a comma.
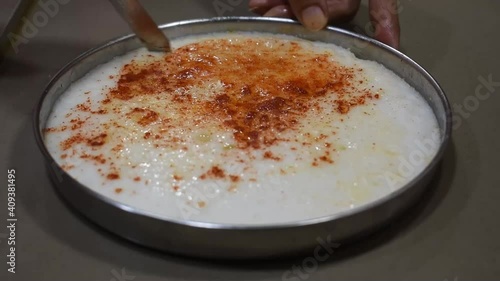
x: 281, y: 11
x: 340, y: 11
x: 262, y: 6
x: 384, y: 15
x: 311, y: 13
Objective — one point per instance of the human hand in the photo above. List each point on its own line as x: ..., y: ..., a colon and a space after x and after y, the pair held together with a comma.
x: 316, y: 14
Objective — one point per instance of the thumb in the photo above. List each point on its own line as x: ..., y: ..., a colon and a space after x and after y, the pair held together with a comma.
x: 311, y: 13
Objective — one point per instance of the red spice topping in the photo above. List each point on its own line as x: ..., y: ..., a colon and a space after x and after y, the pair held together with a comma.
x: 68, y: 143
x: 270, y: 155
x: 326, y: 158
x: 117, y: 148
x: 144, y: 116
x: 234, y: 178
x: 67, y: 167
x: 261, y: 93
x: 83, y: 107
x: 76, y: 124
x: 100, y: 111
x: 214, y: 172
x: 99, y: 159
x: 118, y: 190
x: 217, y: 172
x: 113, y: 176
x: 98, y: 140
x: 266, y: 90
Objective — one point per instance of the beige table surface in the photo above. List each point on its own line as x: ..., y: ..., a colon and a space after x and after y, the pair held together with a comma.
x: 454, y: 234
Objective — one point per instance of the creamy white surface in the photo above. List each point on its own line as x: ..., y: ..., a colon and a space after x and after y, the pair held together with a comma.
x: 362, y: 172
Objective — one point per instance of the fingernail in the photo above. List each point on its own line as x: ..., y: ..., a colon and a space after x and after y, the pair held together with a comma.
x: 279, y: 12
x: 257, y: 3
x: 314, y: 18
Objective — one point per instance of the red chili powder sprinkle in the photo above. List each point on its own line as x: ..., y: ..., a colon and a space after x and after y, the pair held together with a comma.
x: 77, y: 124
x: 234, y: 178
x: 214, y: 172
x: 144, y: 116
x: 113, y: 176
x: 83, y: 107
x: 67, y: 167
x: 326, y: 158
x: 265, y: 91
x: 68, y: 143
x: 99, y: 159
x: 97, y: 140
x: 270, y: 155
x: 261, y: 95
x: 50, y: 130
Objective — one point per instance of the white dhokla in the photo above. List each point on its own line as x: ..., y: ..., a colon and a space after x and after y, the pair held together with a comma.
x: 242, y: 128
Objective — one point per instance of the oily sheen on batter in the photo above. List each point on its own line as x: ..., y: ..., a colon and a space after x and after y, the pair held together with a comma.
x: 241, y: 128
